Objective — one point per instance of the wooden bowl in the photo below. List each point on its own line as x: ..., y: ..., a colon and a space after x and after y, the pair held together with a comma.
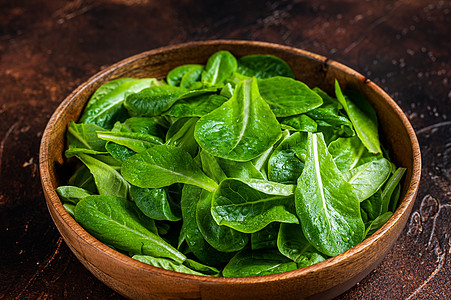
x: 137, y: 280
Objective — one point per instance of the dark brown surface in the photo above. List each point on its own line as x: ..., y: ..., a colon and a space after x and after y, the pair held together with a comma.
x: 47, y: 48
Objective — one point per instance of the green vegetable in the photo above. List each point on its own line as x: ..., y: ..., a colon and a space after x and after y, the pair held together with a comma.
x: 292, y: 243
x: 135, y: 141
x: 263, y: 66
x: 181, y: 135
x: 176, y: 75
x: 106, y: 107
x: 232, y: 168
x: 116, y: 221
x: 72, y: 194
x: 190, y: 232
x: 82, y: 138
x: 265, y: 238
x: 196, y: 106
x: 221, y: 238
x: 220, y: 66
x: 362, y: 116
x: 239, y: 169
x: 165, y: 264
x: 108, y: 180
x: 300, y: 122
x: 391, y: 186
x: 242, y: 128
x: 211, y: 167
x: 326, y: 204
x: 69, y: 208
x: 248, y: 205
x: 377, y: 223
x: 288, y: 97
x: 155, y: 203
x: 162, y: 166
x: 144, y: 125
x: 286, y: 162
x: 368, y: 178
x: 260, y: 262
x: 83, y: 178
x: 153, y: 101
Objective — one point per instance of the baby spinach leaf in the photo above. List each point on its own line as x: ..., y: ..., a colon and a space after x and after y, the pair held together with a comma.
x: 82, y: 138
x: 326, y: 204
x: 263, y: 66
x: 395, y: 198
x: 221, y: 238
x: 288, y: 97
x: 346, y: 152
x: 211, y: 166
x: 175, y: 76
x: 292, y: 243
x: 118, y: 152
x: 236, y: 78
x: 227, y: 90
x: 366, y: 179
x: 284, y: 166
x: 208, y: 142
x: 204, y: 269
x: 329, y: 119
x: 372, y: 207
x: 165, y: 263
x: 144, y: 125
x: 190, y: 230
x: 265, y: 238
x: 162, y: 166
x: 83, y: 178
x: 220, y: 66
x: 248, y: 205
x: 105, y: 111
x: 191, y: 79
x: 268, y: 187
x: 362, y: 116
x: 181, y: 135
x: 109, y: 160
x: 106, y: 89
x: 390, y: 187
x: 261, y: 162
x: 300, y: 122
x: 135, y: 141
x: 239, y: 169
x: 153, y: 101
x: 256, y: 263
x: 377, y: 223
x: 155, y: 203
x: 70, y: 208
x: 72, y: 194
x: 108, y: 180
x: 117, y: 221
x: 195, y: 106
x: 242, y: 128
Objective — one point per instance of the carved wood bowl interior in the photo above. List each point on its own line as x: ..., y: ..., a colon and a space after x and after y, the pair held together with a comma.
x: 137, y: 280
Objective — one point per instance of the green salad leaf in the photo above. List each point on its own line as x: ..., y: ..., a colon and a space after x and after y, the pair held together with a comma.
x: 233, y: 168
x: 242, y: 128
x: 326, y: 204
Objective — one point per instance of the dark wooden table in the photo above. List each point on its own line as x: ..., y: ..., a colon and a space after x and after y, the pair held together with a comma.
x: 47, y: 48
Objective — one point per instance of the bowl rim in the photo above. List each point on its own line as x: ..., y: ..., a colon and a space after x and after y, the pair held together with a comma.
x: 52, y: 198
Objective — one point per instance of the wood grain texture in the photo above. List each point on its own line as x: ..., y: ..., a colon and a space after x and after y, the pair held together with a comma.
x: 48, y: 48
x: 323, y: 280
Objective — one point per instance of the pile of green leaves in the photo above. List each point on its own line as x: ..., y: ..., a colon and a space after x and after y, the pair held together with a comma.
x: 232, y: 168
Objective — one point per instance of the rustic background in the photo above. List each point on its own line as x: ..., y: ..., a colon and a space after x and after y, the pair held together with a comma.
x: 47, y: 48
